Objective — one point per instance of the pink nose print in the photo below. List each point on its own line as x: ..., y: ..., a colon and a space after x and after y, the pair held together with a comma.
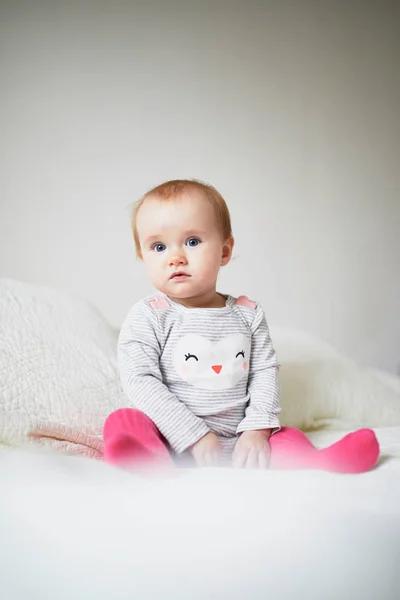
x: 217, y: 368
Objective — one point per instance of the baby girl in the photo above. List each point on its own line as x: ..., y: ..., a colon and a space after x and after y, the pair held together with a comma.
x: 198, y: 367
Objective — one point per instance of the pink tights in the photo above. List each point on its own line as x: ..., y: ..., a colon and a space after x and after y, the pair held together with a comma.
x: 130, y: 437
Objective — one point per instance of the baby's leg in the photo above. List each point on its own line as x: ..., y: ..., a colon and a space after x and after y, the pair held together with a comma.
x: 131, y: 438
x: 356, y: 452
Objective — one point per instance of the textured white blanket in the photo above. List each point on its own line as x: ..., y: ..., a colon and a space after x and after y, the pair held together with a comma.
x: 77, y: 528
x: 59, y: 376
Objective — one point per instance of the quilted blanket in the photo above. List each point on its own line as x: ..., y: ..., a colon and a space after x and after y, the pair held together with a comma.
x: 59, y: 377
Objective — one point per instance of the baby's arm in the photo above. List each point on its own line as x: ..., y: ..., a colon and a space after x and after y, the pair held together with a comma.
x: 262, y: 412
x: 138, y: 355
x: 263, y: 387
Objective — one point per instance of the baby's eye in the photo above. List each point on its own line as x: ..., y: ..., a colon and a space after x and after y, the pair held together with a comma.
x: 240, y: 353
x: 187, y: 356
x: 192, y: 242
x: 158, y: 247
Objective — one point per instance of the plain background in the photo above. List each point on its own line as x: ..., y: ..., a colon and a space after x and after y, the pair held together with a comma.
x: 290, y: 108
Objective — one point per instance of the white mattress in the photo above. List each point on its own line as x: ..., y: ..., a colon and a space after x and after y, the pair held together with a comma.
x: 75, y: 528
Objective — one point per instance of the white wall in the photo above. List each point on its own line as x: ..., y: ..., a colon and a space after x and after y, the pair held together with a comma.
x: 291, y: 109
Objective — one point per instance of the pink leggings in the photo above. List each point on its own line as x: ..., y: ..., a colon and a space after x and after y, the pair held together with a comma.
x: 131, y: 438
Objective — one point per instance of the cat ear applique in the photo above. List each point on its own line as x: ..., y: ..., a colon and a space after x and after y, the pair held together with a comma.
x: 159, y: 302
x: 244, y: 301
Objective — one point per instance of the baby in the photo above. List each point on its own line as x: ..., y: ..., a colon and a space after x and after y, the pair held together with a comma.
x: 198, y: 367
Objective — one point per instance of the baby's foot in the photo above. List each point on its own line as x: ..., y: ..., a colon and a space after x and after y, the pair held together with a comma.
x: 356, y: 452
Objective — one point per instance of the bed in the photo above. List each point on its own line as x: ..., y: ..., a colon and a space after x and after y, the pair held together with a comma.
x: 74, y: 527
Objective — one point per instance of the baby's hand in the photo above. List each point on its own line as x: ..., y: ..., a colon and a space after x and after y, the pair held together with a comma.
x: 252, y: 450
x: 206, y: 451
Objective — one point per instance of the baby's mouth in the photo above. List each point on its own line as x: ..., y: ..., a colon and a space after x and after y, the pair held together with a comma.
x: 179, y: 275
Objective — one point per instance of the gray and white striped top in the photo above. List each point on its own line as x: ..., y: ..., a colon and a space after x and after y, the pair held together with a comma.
x: 194, y: 370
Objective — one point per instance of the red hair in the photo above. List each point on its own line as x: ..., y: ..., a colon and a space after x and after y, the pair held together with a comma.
x: 171, y: 190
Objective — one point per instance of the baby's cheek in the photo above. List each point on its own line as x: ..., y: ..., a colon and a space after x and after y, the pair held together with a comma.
x: 244, y: 366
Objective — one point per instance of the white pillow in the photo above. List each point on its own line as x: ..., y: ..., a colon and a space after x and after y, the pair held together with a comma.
x: 322, y: 388
x: 59, y: 375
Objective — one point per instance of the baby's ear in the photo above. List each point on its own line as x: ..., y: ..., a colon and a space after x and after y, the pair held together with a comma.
x: 227, y: 250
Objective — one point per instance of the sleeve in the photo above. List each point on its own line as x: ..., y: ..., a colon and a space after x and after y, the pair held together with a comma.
x: 138, y: 356
x: 263, y: 387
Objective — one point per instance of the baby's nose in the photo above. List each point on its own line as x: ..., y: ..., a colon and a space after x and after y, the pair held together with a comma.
x: 177, y: 259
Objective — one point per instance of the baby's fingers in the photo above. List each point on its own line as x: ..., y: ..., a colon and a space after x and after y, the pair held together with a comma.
x: 252, y: 459
x: 210, y: 459
x: 263, y: 459
x: 239, y: 457
x: 199, y: 460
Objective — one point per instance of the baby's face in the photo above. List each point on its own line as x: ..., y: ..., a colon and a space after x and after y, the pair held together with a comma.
x: 181, y: 245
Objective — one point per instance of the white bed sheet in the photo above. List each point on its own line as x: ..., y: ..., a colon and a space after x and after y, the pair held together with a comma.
x: 76, y: 528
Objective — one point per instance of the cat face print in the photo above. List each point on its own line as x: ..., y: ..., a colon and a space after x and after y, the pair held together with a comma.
x: 212, y: 365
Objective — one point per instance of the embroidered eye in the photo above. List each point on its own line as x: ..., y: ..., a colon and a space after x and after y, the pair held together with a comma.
x: 187, y: 356
x: 158, y: 247
x: 241, y: 353
x: 193, y: 242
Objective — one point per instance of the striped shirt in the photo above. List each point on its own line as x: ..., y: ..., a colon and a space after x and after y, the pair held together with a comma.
x: 195, y: 370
